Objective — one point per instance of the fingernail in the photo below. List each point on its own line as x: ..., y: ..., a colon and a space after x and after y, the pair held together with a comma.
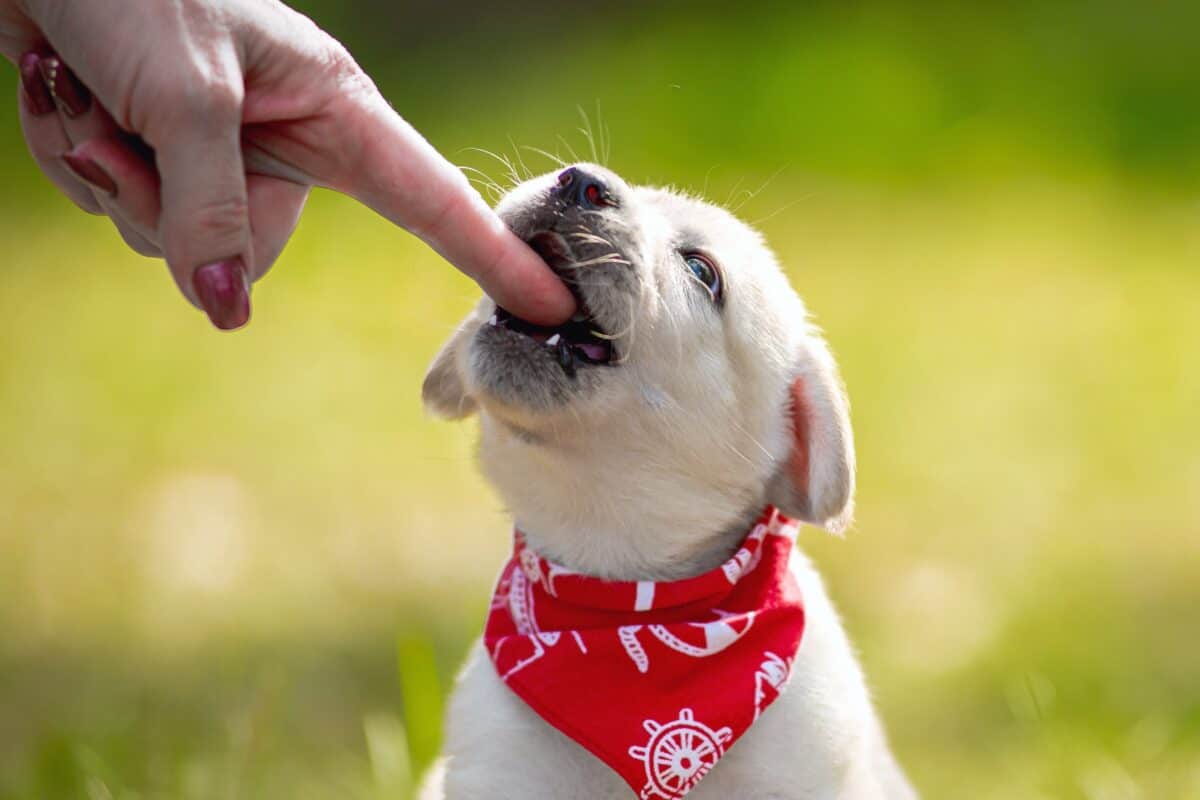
x: 224, y: 291
x: 90, y: 173
x: 72, y: 96
x: 37, y: 95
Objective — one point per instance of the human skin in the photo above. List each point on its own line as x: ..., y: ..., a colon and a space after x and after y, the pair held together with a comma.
x: 200, y: 129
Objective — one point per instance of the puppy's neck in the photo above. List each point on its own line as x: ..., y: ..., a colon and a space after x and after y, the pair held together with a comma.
x: 650, y: 547
x: 619, y: 513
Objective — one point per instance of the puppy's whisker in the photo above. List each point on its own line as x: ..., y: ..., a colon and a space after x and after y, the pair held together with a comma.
x: 590, y: 237
x: 751, y: 195
x: 707, y: 175
x: 754, y: 440
x: 479, y: 173
x: 601, y: 260
x: 586, y: 130
x: 733, y: 192
x: 627, y: 349
x: 614, y: 336
x: 668, y: 316
x: 511, y: 171
x: 488, y: 181
x: 739, y: 453
x: 520, y: 159
x: 570, y: 150
x: 584, y: 229
x: 606, y: 137
x: 551, y: 156
x: 625, y: 354
x: 776, y: 212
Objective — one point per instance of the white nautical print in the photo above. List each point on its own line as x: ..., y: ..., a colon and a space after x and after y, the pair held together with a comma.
x: 710, y: 639
x: 769, y: 680
x: 518, y: 591
x: 645, y: 596
x: 628, y: 636
x: 678, y: 755
x: 531, y: 565
x: 744, y: 560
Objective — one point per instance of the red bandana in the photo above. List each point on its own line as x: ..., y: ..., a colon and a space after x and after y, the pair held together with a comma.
x: 657, y: 680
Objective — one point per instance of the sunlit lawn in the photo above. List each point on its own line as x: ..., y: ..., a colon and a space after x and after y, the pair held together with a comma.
x: 246, y: 566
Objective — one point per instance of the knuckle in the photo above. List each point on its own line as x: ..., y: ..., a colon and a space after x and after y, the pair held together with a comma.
x: 337, y: 57
x: 148, y: 102
x: 206, y: 102
x: 204, y: 231
x: 215, y: 99
x: 196, y: 98
x: 218, y: 218
x: 340, y: 67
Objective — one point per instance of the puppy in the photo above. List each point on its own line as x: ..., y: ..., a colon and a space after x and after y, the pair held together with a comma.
x: 656, y: 634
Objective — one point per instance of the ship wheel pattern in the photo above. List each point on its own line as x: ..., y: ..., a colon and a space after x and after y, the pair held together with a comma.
x: 678, y: 755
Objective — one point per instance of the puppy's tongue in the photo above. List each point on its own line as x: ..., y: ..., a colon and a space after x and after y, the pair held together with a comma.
x: 596, y: 352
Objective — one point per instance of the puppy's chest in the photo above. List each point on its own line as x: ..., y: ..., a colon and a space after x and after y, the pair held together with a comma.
x: 501, y: 749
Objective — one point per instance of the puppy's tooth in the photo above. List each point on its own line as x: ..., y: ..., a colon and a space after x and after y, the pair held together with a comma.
x: 493, y: 320
x: 552, y: 341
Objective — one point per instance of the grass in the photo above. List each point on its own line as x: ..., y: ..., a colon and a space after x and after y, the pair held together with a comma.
x: 218, y: 549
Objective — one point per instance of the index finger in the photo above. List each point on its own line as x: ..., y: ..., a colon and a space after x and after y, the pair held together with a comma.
x: 401, y: 176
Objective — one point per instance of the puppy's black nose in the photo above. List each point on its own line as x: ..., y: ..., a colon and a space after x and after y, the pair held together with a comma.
x: 582, y: 188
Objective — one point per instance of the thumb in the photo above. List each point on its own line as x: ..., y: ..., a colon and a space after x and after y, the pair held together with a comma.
x: 401, y: 176
x: 205, y: 221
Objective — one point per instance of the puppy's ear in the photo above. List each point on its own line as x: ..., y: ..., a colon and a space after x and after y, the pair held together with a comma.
x: 816, y: 482
x: 444, y: 392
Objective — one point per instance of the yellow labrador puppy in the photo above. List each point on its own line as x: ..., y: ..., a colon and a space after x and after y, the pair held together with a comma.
x: 656, y: 634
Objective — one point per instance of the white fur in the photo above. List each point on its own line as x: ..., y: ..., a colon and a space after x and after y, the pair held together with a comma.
x: 653, y: 470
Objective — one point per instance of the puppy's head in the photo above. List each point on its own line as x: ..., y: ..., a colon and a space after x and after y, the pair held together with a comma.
x: 689, y: 371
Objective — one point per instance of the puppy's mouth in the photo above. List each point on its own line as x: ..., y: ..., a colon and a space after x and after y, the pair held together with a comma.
x: 575, y: 341
x: 580, y: 341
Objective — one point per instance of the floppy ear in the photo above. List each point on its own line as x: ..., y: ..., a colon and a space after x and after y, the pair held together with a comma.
x: 816, y: 482
x: 444, y: 392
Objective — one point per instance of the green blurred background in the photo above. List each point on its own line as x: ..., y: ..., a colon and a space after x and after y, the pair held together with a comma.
x: 247, y: 566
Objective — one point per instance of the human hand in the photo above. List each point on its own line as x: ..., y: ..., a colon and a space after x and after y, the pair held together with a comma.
x: 198, y: 126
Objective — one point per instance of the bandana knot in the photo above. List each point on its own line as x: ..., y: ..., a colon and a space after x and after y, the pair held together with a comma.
x: 658, y: 680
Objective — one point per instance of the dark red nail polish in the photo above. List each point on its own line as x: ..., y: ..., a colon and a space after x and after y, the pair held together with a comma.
x: 72, y: 96
x: 223, y: 289
x: 37, y: 95
x: 90, y: 173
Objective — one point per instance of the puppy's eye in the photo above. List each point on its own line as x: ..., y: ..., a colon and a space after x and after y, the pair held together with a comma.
x: 703, y: 270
